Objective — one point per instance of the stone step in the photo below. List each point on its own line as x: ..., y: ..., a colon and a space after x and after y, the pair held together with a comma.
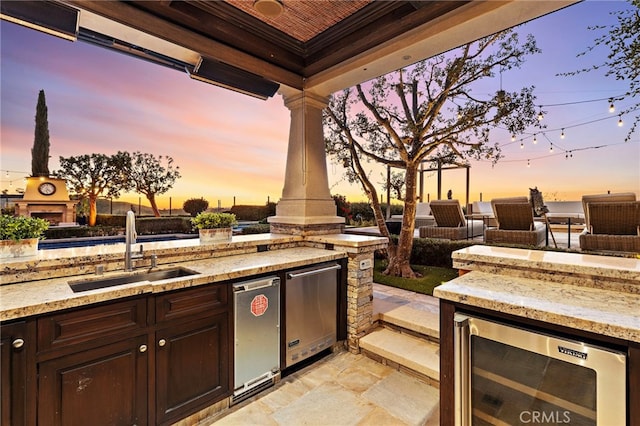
x: 404, y: 352
x: 422, y: 322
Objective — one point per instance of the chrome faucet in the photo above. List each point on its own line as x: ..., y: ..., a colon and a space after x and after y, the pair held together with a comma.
x: 130, y: 238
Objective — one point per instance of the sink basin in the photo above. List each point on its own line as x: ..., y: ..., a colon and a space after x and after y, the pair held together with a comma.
x: 93, y: 284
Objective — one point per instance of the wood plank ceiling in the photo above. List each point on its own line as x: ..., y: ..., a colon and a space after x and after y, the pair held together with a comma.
x: 309, y: 37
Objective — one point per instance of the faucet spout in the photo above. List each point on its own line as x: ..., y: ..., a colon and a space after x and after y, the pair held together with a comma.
x: 130, y: 238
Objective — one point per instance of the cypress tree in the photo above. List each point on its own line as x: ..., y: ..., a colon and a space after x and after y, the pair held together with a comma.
x: 40, y: 150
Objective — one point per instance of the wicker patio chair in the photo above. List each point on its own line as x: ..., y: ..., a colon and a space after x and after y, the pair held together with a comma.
x: 450, y: 222
x: 613, y: 226
x: 515, y: 223
x: 600, y: 198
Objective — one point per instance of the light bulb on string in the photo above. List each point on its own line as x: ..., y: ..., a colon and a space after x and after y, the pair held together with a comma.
x: 459, y: 114
x: 620, y: 123
x: 612, y: 107
x: 535, y: 138
x: 540, y: 114
x: 521, y: 144
x: 551, y: 148
x: 528, y: 163
x: 562, y: 134
x: 513, y: 137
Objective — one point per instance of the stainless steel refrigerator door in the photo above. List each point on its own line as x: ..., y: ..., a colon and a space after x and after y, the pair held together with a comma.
x: 257, y: 332
x: 311, y: 311
x: 511, y: 375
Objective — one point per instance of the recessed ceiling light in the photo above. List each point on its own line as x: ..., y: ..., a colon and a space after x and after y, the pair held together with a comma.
x: 406, y: 57
x: 269, y: 8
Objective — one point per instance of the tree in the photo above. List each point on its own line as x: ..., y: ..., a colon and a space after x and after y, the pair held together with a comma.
x: 150, y: 177
x: 40, y: 150
x: 193, y: 206
x: 427, y: 112
x: 623, y: 60
x: 91, y: 176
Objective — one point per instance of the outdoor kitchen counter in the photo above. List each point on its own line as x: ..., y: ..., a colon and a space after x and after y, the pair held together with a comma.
x: 600, y: 294
x: 605, y: 312
x: 47, y: 295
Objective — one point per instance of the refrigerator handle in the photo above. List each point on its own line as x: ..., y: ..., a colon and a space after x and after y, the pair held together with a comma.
x: 462, y: 373
x: 313, y: 272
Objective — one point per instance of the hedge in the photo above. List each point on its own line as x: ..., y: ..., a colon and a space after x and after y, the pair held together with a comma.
x: 363, y: 210
x: 434, y: 252
x: 260, y: 228
x: 245, y: 212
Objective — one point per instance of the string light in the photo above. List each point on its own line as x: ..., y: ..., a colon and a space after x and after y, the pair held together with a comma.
x: 562, y: 134
x: 620, y: 123
x: 513, y: 137
x: 612, y: 107
x: 540, y: 115
x: 528, y: 163
x: 521, y: 144
x: 551, y: 148
x: 535, y: 138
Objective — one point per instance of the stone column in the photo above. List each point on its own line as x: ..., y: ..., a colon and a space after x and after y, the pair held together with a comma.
x: 306, y: 206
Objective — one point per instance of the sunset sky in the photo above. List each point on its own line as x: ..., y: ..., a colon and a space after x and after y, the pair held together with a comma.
x: 230, y: 145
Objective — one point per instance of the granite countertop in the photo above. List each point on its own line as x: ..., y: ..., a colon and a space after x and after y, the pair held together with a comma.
x: 596, y: 293
x: 606, y: 312
x: 48, y: 295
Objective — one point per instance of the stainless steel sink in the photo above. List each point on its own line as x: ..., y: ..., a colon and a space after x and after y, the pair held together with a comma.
x: 93, y: 284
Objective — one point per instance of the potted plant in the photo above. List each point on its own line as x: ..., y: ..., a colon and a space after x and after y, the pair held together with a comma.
x: 214, y: 226
x: 19, y: 235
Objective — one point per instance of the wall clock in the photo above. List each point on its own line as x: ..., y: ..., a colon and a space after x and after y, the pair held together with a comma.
x: 47, y: 188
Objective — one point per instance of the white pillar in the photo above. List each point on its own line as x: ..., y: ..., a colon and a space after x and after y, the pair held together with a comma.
x: 306, y: 206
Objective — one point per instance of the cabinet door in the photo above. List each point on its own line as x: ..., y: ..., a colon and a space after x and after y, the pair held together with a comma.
x: 192, y: 366
x: 17, y: 349
x: 106, y: 385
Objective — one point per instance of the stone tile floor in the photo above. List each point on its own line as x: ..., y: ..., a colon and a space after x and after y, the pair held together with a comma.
x: 341, y: 389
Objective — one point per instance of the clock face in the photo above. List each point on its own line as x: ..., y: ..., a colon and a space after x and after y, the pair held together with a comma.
x: 47, y: 188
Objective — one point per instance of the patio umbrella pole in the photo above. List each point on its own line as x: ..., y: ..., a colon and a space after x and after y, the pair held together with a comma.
x: 550, y: 230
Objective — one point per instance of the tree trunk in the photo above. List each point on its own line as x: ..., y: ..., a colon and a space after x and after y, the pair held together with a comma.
x: 154, y: 206
x: 399, y: 264
x: 93, y: 210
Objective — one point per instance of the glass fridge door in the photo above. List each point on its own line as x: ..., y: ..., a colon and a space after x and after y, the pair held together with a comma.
x: 508, y: 375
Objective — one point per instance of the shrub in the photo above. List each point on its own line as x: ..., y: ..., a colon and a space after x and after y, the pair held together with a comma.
x: 111, y: 220
x: 163, y: 225
x: 343, y: 207
x: 205, y: 220
x: 21, y: 227
x: 81, y: 231
x: 434, y: 252
x: 257, y: 213
x: 193, y: 206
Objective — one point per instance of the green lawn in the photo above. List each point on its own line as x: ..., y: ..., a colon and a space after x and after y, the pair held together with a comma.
x: 432, y: 276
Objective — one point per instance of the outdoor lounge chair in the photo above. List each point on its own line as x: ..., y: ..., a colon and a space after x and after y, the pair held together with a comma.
x: 450, y: 222
x: 612, y: 223
x: 423, y: 216
x: 515, y: 223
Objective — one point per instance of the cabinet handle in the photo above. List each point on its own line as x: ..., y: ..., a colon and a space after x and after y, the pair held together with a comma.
x: 18, y: 343
x: 162, y: 342
x: 143, y: 348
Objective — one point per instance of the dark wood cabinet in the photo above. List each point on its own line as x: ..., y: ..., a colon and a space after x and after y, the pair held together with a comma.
x: 17, y: 374
x: 106, y: 385
x: 192, y: 366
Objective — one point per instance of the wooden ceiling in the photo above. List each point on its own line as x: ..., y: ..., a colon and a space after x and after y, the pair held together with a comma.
x: 318, y: 45
x: 309, y: 37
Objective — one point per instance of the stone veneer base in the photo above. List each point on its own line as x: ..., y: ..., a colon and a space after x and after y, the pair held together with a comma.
x: 309, y: 229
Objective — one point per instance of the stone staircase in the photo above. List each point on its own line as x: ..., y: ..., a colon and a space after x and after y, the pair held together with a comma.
x: 407, y: 333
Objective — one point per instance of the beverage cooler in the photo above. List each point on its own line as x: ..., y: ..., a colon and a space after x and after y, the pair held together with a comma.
x: 507, y: 375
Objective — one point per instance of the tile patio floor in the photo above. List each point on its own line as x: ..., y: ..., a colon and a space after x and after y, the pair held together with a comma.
x: 341, y: 389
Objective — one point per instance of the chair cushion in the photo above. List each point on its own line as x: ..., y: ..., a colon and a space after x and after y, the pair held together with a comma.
x: 447, y: 213
x: 514, y: 217
x: 614, y: 218
x: 598, y: 198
